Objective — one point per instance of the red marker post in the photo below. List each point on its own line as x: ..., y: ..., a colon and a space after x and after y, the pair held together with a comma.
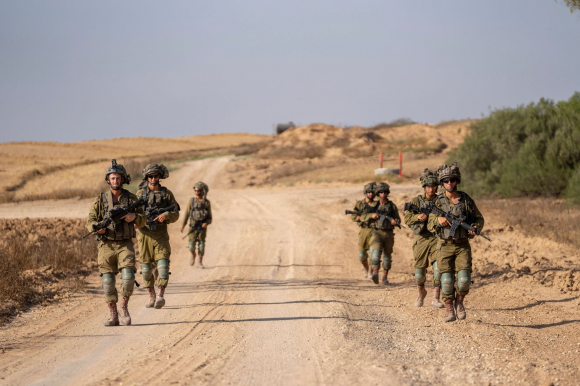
x: 381, y: 160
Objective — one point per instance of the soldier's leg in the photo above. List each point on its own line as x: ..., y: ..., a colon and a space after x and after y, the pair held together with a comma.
x: 201, y: 247
x: 364, y: 240
x: 376, y: 255
x: 126, y: 262
x: 463, y: 268
x: 191, y: 246
x: 107, y: 261
x: 146, y: 256
x: 445, y: 261
x: 435, y: 302
x: 420, y: 255
x: 388, y: 243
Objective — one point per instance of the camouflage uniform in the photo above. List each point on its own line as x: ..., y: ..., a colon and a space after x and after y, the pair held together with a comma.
x: 197, y: 211
x: 365, y: 233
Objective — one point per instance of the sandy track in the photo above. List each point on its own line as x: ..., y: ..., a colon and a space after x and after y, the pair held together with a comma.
x: 283, y: 301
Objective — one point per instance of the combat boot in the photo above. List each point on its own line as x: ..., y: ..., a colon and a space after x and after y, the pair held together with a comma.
x: 459, y: 308
x: 385, y: 274
x: 435, y: 302
x: 114, y: 317
x: 450, y: 314
x: 192, y: 259
x: 124, y: 316
x: 160, y: 302
x: 421, y: 296
x: 375, y: 275
x: 152, y: 297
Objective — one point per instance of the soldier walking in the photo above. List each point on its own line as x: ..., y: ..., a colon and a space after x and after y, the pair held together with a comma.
x: 424, y: 242
x: 454, y: 252
x: 116, y: 252
x: 153, y: 238
x: 383, y: 236
x: 365, y: 232
x: 199, y: 217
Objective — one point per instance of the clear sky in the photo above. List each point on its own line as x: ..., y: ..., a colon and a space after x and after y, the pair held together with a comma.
x: 75, y: 70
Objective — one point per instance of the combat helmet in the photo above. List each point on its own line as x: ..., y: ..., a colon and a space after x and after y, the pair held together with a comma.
x: 449, y: 170
x: 370, y: 187
x: 382, y: 187
x: 428, y: 177
x: 155, y: 169
x: 115, y: 168
x: 203, y: 186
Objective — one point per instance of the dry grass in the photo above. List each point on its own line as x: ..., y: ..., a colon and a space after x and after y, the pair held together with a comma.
x: 40, y: 258
x: 295, y: 153
x: 542, y: 217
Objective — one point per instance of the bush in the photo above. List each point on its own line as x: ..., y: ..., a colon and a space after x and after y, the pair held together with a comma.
x: 527, y: 151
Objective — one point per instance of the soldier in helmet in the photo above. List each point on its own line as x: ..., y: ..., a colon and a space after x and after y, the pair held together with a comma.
x: 116, y: 252
x: 383, y: 236
x: 199, y: 210
x: 365, y: 233
x: 454, y: 252
x: 153, y: 237
x: 425, y: 241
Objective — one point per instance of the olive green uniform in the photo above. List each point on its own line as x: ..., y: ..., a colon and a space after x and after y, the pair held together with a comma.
x: 453, y: 254
x: 154, y: 244
x: 383, y: 239
x: 424, y: 242
x: 116, y: 249
x: 198, y: 211
x: 365, y: 234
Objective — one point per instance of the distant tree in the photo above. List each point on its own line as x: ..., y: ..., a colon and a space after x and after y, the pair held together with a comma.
x: 574, y: 5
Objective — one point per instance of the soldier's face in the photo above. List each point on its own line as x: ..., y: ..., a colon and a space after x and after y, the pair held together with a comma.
x: 116, y: 180
x: 449, y: 183
x: 382, y: 195
x: 197, y: 192
x: 430, y: 190
x: 370, y: 195
x: 153, y: 179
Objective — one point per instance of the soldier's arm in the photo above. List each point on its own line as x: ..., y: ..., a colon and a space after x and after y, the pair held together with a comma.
x: 432, y: 221
x: 479, y: 220
x: 410, y: 217
x: 140, y: 219
x: 396, y: 212
x: 94, y: 217
x: 209, y: 218
x: 186, y: 216
x: 357, y: 207
x: 173, y: 216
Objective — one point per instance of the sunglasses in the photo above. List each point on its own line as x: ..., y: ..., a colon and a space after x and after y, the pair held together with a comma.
x: 449, y: 180
x: 153, y: 176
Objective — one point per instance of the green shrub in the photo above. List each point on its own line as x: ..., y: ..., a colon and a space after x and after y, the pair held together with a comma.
x: 531, y: 150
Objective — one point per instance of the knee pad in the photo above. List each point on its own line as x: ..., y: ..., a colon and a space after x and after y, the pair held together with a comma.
x: 447, y: 282
x: 146, y: 271
x: 201, y: 248
x: 387, y: 262
x: 463, y: 280
x: 376, y: 257
x: 362, y: 255
x: 128, y: 279
x: 163, y: 268
x: 191, y: 246
x: 436, y: 274
x: 109, y: 283
x: 420, y: 276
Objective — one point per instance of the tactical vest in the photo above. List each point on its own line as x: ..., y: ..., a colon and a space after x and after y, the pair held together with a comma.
x: 420, y: 228
x: 199, y: 210
x: 463, y: 210
x: 365, y: 210
x: 388, y: 207
x: 123, y: 231
x: 160, y: 199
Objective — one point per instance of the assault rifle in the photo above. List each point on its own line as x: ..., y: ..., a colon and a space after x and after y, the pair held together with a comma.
x: 454, y: 220
x: 115, y: 216
x: 152, y: 212
x: 383, y: 218
x: 196, y: 226
x: 426, y: 210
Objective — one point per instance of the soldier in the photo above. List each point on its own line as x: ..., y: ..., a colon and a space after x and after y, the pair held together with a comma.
x: 199, y: 210
x: 116, y: 252
x: 365, y: 233
x: 153, y: 237
x: 383, y: 236
x: 424, y: 242
x: 453, y: 253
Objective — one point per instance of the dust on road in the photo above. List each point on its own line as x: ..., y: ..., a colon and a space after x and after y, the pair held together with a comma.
x: 283, y: 301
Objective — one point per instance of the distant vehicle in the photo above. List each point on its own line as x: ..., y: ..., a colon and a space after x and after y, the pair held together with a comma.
x: 282, y: 127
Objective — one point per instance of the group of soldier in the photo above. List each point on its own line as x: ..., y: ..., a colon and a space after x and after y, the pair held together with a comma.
x: 148, y: 222
x: 435, y: 242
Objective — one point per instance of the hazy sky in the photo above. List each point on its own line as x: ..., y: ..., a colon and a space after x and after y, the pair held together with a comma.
x: 75, y: 70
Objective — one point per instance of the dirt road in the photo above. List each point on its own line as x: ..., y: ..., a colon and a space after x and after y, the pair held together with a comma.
x: 283, y: 301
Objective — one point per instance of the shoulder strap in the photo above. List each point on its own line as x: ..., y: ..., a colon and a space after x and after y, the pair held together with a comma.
x: 145, y: 196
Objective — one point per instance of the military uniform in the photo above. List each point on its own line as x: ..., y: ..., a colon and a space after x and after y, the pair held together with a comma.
x: 154, y: 244
x: 383, y: 237
x: 198, y: 212
x: 116, y: 245
x: 365, y: 233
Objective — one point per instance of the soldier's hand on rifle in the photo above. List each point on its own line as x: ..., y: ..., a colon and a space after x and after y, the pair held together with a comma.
x: 101, y: 231
x: 129, y: 217
x: 472, y: 232
x: 443, y: 222
x: 160, y: 218
x: 375, y: 216
x: 393, y: 222
x: 357, y: 218
x: 422, y: 217
x: 203, y: 226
